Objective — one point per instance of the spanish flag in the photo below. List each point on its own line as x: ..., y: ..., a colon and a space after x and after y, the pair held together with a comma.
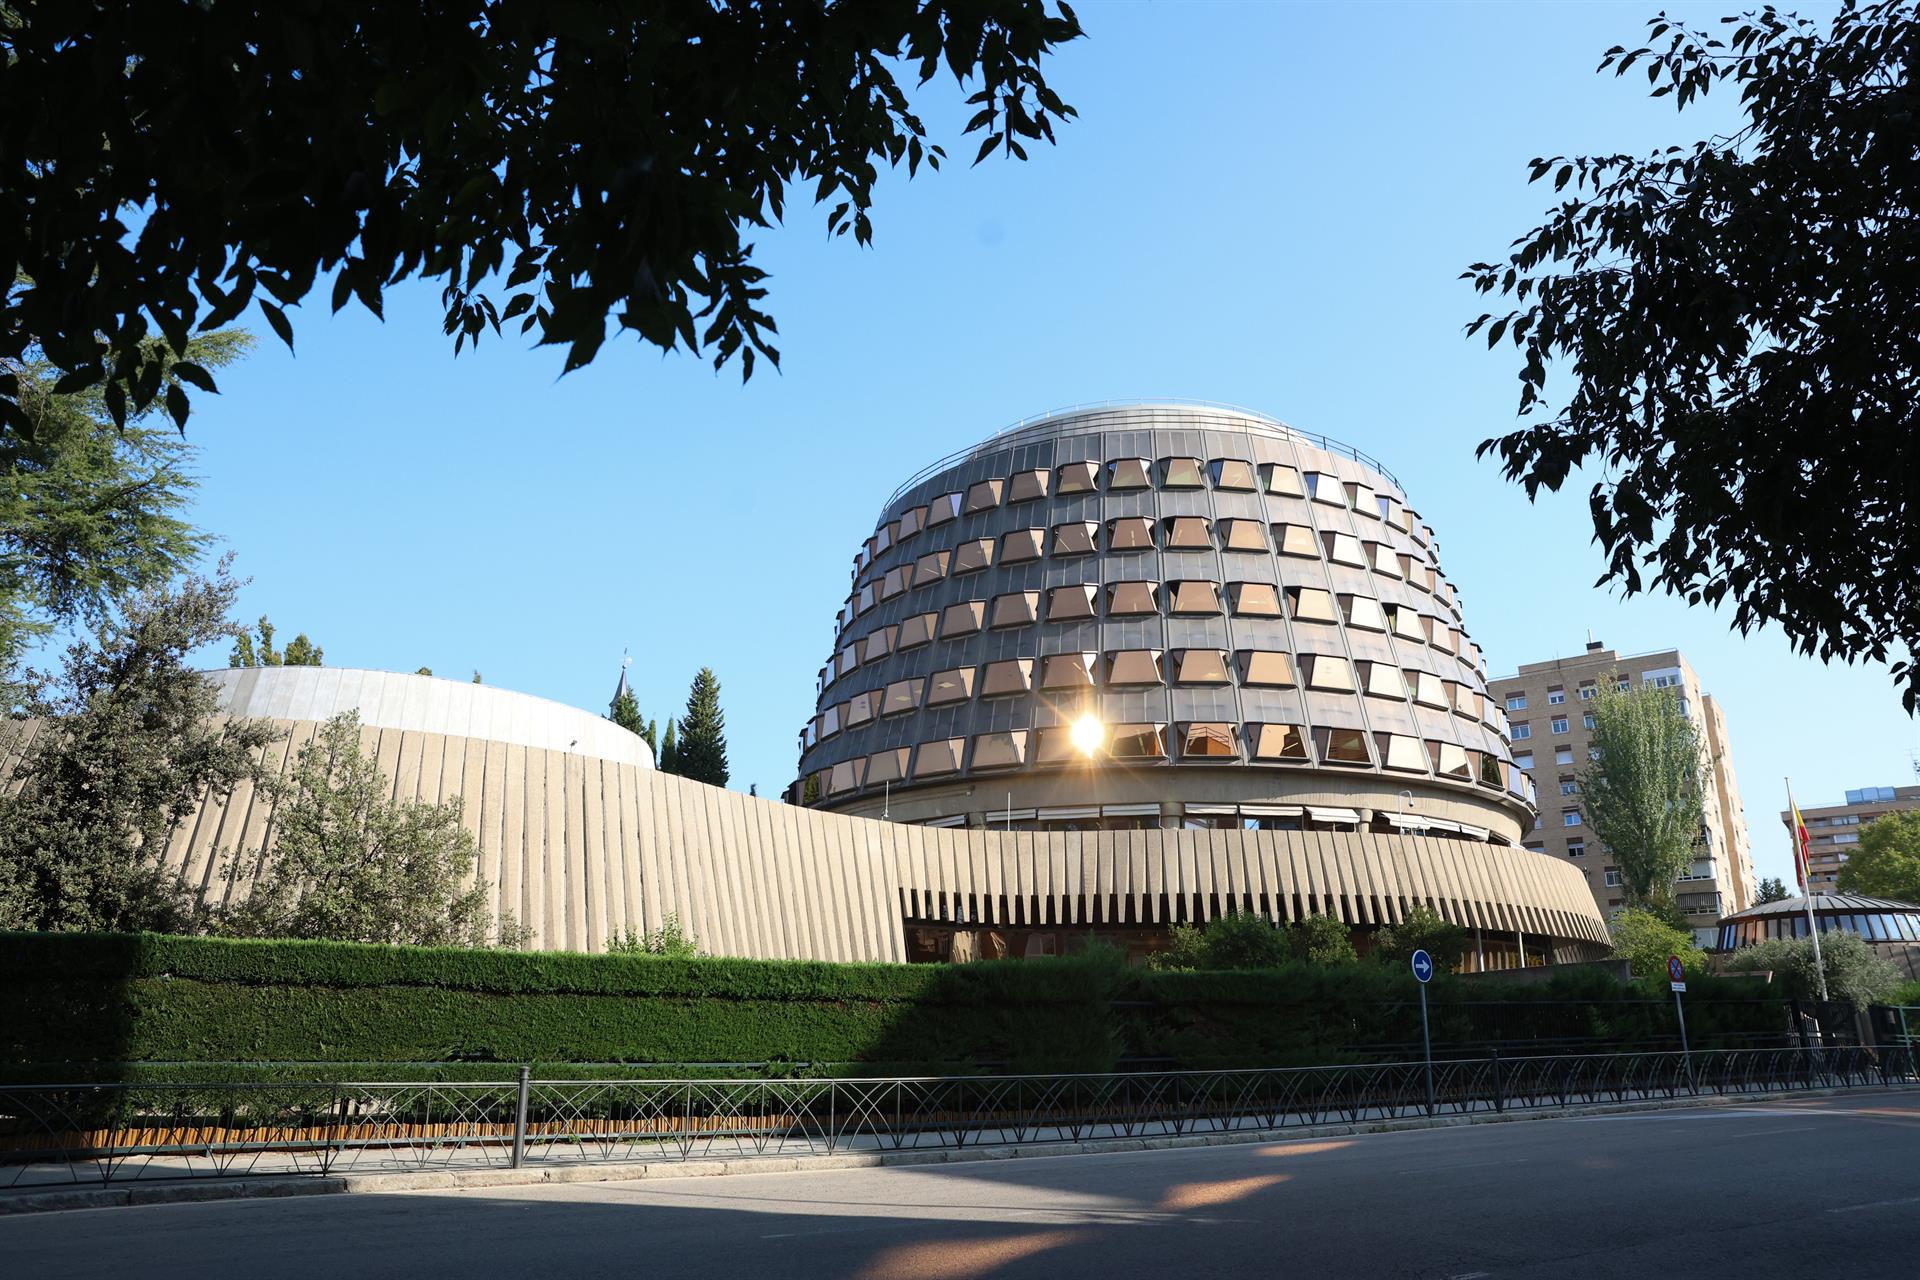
x: 1799, y: 843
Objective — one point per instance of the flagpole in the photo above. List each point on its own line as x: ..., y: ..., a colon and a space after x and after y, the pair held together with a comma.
x: 1804, y: 872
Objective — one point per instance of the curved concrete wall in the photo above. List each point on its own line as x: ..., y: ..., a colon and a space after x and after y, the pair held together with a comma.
x: 582, y: 847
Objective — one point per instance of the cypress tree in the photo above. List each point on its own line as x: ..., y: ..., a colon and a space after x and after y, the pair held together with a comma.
x: 669, y: 752
x: 703, y: 733
x: 626, y: 713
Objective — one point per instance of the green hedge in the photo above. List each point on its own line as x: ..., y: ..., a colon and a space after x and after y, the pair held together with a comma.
x: 379, y: 1012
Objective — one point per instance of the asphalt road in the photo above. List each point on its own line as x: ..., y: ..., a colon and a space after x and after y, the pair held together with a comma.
x: 1824, y: 1187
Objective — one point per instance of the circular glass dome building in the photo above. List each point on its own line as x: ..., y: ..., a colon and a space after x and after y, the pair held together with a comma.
x: 1158, y: 615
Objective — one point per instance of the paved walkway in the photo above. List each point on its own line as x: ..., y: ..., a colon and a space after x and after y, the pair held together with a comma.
x: 1810, y: 1187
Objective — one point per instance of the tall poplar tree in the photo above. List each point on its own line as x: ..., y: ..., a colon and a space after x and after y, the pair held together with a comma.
x: 703, y: 733
x: 1642, y: 794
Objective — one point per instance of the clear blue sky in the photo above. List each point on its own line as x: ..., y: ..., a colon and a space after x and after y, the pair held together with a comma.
x: 1268, y: 206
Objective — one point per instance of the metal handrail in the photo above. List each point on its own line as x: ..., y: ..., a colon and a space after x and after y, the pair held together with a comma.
x: 1008, y: 436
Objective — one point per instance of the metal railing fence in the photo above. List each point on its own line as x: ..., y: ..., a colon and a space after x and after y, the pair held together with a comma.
x: 62, y: 1134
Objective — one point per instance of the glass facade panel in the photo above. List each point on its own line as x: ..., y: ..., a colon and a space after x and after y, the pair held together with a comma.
x: 917, y: 630
x: 1429, y: 690
x: 1341, y: 746
x: 1449, y: 760
x: 878, y: 644
x: 1398, y: 751
x: 1364, y: 613
x: 1310, y: 604
x: 1383, y: 680
x: 930, y: 568
x: 955, y: 685
x: 1076, y: 539
x: 845, y: 776
x: 1212, y: 740
x: 1028, y: 485
x: 1231, y: 473
x: 1322, y: 487
x: 963, y: 619
x: 1133, y: 666
x: 1067, y: 603
x: 1188, y: 533
x: 1125, y: 599
x: 971, y: 557
x: 902, y: 696
x: 1077, y: 477
x: 912, y: 522
x: 1000, y: 750
x: 1200, y: 666
x: 1067, y: 671
x: 931, y: 759
x: 984, y: 496
x: 1128, y: 473
x: 943, y: 508
x: 1267, y: 668
x: 1278, y: 742
x: 1137, y: 742
x: 887, y: 766
x: 1282, y: 480
x: 1016, y: 609
x: 1130, y: 533
x: 1254, y: 599
x: 1243, y: 535
x: 1296, y: 540
x: 1021, y: 544
x: 1325, y: 672
x: 1344, y: 548
x: 1181, y: 473
x: 1193, y: 597
x: 860, y: 709
x: 1014, y: 675
x: 1384, y: 562
x: 895, y: 582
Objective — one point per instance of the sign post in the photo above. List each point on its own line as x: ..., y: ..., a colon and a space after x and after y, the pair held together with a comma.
x: 1423, y: 970
x: 1677, y: 979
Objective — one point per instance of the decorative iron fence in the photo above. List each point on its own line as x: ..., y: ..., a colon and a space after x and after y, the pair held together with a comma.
x: 55, y: 1134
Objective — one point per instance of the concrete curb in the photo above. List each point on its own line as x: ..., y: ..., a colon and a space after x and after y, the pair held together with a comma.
x: 182, y: 1192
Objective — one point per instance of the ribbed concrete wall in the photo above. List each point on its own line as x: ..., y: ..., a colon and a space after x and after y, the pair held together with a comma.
x: 580, y: 848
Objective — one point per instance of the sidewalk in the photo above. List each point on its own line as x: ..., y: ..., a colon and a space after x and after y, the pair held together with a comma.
x: 41, y: 1195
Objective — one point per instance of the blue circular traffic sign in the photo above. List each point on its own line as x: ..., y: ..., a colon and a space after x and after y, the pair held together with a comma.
x: 1422, y: 965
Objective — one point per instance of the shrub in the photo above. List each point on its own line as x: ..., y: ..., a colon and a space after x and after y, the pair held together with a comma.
x: 1424, y: 929
x: 1856, y: 974
x: 1323, y: 940
x: 1645, y: 939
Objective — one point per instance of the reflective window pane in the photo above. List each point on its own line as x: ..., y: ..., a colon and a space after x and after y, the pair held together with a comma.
x: 1231, y: 473
x: 887, y: 766
x: 1067, y: 603
x: 1243, y: 535
x: 1310, y: 604
x: 1254, y: 599
x: 1341, y: 746
x: 917, y: 630
x: 1076, y: 539
x: 930, y: 568
x: 1126, y: 599
x: 950, y: 686
x: 1325, y: 672
x: 1133, y: 666
x: 984, y: 496
x: 963, y: 619
x: 1181, y: 473
x: 1067, y: 671
x: 1266, y: 668
x: 1209, y: 741
x: 1188, y: 533
x: 902, y: 696
x: 1028, y: 485
x: 1130, y: 533
x: 1016, y: 609
x: 1200, y: 666
x: 1077, y: 477
x: 1282, y: 480
x: 931, y: 759
x: 1193, y: 597
x: 1278, y: 742
x: 1021, y: 544
x: 1128, y: 473
x: 1000, y: 750
x: 970, y: 557
x: 999, y: 679
x: 1137, y: 741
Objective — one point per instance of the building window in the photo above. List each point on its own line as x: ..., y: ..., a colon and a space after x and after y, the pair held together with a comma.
x: 1128, y: 473
x: 930, y: 568
x: 1325, y: 672
x: 1465, y: 700
x: 1195, y: 597
x: 886, y: 766
x: 1231, y: 473
x: 1428, y: 689
x: 1016, y: 609
x: 1398, y: 751
x: 1558, y: 724
x: 963, y: 619
x: 1587, y: 692
x: 1344, y: 548
x: 1556, y: 696
x: 1310, y: 604
x: 845, y: 776
x: 1077, y: 477
x: 1020, y: 545
x: 1612, y: 877
x: 912, y: 522
x: 1130, y: 533
x: 950, y: 686
x: 1363, y: 612
x: 1576, y: 848
x: 1074, y: 539
x: 1570, y: 818
x: 1188, y: 533
x: 1383, y: 680
x: 1341, y: 746
x: 1282, y: 480
x: 1522, y: 730
x: 1068, y: 671
x: 1137, y: 742
x: 902, y: 696
x: 1180, y: 473
x: 1011, y: 676
x: 1563, y: 755
x: 983, y: 496
x: 1254, y: 599
x: 1208, y: 741
x: 930, y: 759
x: 1266, y: 668
x: 1587, y: 721
x: 1404, y: 620
x: 1384, y: 561
x: 1200, y: 666
x: 1067, y: 603
x: 1028, y: 485
x: 1569, y: 787
x: 1326, y: 488
x: 917, y: 630
x: 1126, y: 599
x: 971, y: 557
x: 1242, y: 535
x: 860, y: 709
x: 1000, y: 750
x: 1278, y: 742
x: 1450, y: 760
x: 1523, y: 760
x: 895, y: 582
x: 878, y: 644
x: 943, y: 508
x: 1133, y: 667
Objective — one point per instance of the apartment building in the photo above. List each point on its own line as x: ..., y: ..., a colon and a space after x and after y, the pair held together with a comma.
x: 1548, y: 706
x: 1833, y: 829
